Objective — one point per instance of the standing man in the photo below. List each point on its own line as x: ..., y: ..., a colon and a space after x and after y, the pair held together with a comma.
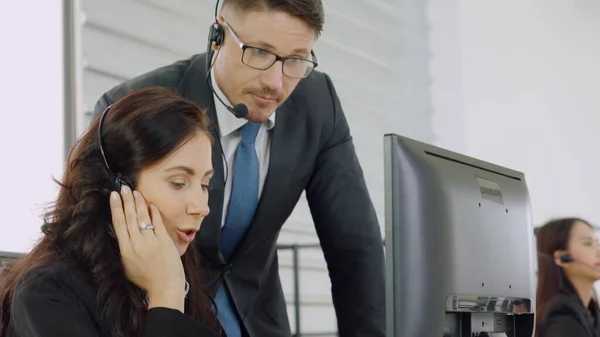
x: 279, y: 130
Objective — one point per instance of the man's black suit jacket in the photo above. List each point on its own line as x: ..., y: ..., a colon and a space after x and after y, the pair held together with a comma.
x: 312, y: 150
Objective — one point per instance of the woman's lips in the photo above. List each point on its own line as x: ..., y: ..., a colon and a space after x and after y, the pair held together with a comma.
x: 186, y: 236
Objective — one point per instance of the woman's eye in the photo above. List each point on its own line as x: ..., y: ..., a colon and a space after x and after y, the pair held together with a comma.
x: 177, y: 185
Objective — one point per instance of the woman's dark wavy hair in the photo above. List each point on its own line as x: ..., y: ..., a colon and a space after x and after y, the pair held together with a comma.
x: 551, y: 279
x: 139, y: 130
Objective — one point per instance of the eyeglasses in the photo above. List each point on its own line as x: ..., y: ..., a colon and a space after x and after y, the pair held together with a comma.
x: 262, y: 59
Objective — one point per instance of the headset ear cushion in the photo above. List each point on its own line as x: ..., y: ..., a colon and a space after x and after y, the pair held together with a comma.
x: 216, y: 34
x: 118, y: 184
x: 121, y: 181
x: 566, y: 258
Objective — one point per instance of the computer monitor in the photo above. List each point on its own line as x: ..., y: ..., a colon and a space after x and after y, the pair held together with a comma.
x: 459, y: 253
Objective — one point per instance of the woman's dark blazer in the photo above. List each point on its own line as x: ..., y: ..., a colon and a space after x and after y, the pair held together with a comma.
x: 58, y: 301
x: 567, y: 317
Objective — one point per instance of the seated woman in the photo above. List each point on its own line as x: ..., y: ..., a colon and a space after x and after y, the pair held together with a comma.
x: 568, y: 266
x: 121, y: 264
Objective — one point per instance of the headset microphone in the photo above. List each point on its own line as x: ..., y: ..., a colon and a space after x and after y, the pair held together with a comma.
x: 567, y: 258
x: 239, y: 110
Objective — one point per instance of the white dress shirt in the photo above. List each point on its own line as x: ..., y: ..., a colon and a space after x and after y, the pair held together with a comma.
x: 229, y: 127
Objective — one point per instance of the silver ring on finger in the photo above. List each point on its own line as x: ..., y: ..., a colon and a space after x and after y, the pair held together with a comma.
x: 146, y: 226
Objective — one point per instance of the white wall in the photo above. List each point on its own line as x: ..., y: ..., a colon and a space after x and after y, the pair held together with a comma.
x: 516, y: 82
x: 31, y: 118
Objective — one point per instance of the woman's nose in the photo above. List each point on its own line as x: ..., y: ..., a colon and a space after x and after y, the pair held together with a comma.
x: 199, y: 206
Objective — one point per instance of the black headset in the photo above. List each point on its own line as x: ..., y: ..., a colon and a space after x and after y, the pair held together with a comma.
x: 565, y: 258
x: 216, y: 34
x: 118, y: 180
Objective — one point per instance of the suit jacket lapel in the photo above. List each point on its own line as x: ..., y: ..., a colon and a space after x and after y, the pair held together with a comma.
x: 194, y: 86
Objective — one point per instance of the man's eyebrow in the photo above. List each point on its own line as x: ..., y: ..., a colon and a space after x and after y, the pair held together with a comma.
x: 302, y: 51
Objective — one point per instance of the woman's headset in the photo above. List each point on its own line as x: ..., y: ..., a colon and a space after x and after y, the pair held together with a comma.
x: 565, y: 258
x: 119, y: 180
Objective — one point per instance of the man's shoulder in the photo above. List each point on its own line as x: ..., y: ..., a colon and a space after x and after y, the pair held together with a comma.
x: 315, y: 95
x: 168, y: 76
x: 317, y: 83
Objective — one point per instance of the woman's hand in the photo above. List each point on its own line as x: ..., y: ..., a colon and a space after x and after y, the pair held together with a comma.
x: 149, y: 256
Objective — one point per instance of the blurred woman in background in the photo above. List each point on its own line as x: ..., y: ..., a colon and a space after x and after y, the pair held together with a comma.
x: 568, y: 266
x: 112, y: 260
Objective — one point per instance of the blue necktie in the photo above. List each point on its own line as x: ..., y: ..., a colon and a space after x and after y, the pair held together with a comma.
x: 240, y: 212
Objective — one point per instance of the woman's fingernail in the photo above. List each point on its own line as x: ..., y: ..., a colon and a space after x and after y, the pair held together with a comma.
x: 114, y: 196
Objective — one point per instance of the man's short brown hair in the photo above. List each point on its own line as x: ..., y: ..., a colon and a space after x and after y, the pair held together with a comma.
x: 309, y: 11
